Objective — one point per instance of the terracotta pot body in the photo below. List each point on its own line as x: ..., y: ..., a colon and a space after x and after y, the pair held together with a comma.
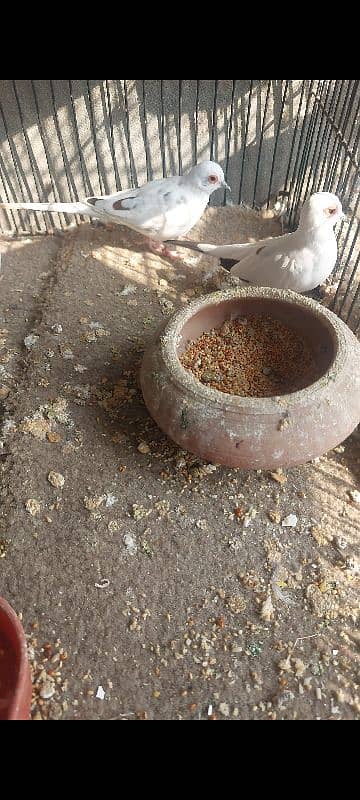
x: 15, y: 677
x: 247, y: 432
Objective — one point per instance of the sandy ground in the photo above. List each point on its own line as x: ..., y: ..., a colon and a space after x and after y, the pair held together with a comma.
x: 172, y: 585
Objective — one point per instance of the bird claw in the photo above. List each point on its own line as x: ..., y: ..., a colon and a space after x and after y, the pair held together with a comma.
x: 161, y: 249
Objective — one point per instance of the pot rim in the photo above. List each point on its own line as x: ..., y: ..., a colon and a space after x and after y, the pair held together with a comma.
x: 171, y: 335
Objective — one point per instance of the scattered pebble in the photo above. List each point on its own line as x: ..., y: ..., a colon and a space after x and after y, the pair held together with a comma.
x: 100, y: 694
x: 274, y: 516
x: 32, y: 506
x: 53, y: 437
x: 224, y: 709
x: 31, y: 340
x: 56, y: 479
x: 66, y: 352
x: 130, y: 543
x: 267, y: 610
x: 290, y: 521
x: 143, y: 448
x: 110, y: 500
x: 47, y: 690
x: 103, y: 584
x: 92, y: 503
x: 278, y: 476
x: 354, y: 494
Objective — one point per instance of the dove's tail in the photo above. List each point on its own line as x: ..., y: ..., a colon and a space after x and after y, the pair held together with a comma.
x: 66, y: 208
x: 190, y: 245
x: 228, y: 252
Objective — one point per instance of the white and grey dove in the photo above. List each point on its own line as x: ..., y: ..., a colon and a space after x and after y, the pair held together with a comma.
x: 161, y: 209
x: 299, y: 261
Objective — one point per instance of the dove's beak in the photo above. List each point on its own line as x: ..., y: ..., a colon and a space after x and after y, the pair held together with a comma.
x: 226, y: 186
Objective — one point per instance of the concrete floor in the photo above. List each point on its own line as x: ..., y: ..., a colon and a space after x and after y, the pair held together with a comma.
x: 139, y: 575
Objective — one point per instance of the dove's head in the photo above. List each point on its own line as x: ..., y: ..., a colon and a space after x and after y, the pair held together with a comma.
x: 208, y: 176
x: 321, y: 209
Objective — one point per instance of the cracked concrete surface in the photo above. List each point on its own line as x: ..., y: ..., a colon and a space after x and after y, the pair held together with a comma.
x: 172, y: 585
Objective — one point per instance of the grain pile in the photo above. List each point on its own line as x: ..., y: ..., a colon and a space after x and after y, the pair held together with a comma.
x: 253, y: 356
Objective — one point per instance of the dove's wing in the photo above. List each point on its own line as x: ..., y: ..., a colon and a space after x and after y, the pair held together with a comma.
x: 161, y: 209
x: 286, y: 262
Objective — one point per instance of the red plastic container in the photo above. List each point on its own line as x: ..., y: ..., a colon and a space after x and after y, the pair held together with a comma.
x: 15, y: 676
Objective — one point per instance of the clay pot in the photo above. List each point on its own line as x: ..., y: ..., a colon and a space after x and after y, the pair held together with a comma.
x: 15, y: 678
x: 252, y: 432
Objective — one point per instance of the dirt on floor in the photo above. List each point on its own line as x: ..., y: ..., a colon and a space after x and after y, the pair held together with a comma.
x: 152, y: 585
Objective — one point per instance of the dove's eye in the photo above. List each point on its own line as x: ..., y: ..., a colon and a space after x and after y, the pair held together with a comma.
x: 330, y: 211
x: 212, y: 179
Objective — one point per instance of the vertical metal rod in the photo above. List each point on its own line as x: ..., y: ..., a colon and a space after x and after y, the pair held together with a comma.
x: 277, y: 140
x: 196, y: 120
x: 162, y: 129
x: 103, y: 188
x: 85, y: 178
x: 180, y: 115
x: 146, y: 139
x: 112, y: 142
x: 213, y: 122
x: 229, y: 135
x: 245, y: 139
x: 261, y: 141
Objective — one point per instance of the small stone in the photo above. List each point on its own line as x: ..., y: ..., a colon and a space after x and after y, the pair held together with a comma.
x: 4, y: 392
x: 92, y: 503
x: 47, y: 690
x: 278, y: 476
x: 299, y: 667
x: 354, y: 494
x: 236, y: 603
x: 143, y: 448
x: 66, y: 352
x: 30, y: 341
x: 290, y: 521
x: 110, y: 500
x: 224, y: 709
x: 285, y: 665
x: 267, y: 610
x: 274, y: 516
x: 56, y: 329
x: 56, y: 479
x: 100, y: 694
x: 32, y: 506
x: 130, y: 543
x: 53, y: 437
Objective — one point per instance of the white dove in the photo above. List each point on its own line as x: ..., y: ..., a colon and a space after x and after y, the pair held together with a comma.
x: 299, y: 261
x: 162, y: 209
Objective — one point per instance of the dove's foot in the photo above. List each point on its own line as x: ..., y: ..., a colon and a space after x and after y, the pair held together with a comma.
x: 170, y: 253
x: 161, y: 249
